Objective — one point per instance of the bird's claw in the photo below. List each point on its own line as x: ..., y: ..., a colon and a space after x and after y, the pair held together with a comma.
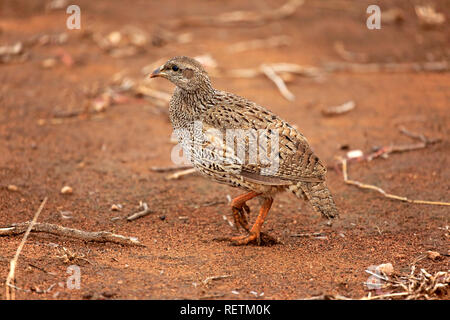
x: 259, y: 239
x: 243, y: 240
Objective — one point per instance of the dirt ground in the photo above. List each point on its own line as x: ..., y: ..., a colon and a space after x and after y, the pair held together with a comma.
x: 107, y: 157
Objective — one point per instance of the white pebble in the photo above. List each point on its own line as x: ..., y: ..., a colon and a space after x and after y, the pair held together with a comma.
x: 66, y: 190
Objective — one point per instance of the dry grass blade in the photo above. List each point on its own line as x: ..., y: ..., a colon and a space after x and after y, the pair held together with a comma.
x: 421, y: 286
x: 10, y: 295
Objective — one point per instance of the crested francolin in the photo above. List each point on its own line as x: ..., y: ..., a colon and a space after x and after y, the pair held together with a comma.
x: 229, y: 138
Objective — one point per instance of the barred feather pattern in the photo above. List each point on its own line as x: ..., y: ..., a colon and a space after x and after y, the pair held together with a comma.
x: 299, y: 169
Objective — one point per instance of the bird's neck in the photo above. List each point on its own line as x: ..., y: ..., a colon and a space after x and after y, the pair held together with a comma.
x: 199, y: 100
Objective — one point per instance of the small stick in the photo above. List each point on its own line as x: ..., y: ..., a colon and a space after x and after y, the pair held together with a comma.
x: 388, y: 295
x: 337, y: 110
x: 179, y: 174
x: 100, y: 236
x: 328, y: 297
x: 305, y: 235
x: 270, y: 73
x: 209, y: 279
x: 10, y: 294
x: 438, y: 66
x: 384, y: 193
x: 145, y: 211
x: 41, y: 269
x: 173, y: 168
x: 402, y: 148
x: 211, y: 296
x: 282, y: 67
x: 348, y: 55
x: 237, y: 18
x: 413, y: 135
x: 275, y: 41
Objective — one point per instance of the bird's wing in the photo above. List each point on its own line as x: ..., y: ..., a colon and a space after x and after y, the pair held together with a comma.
x: 275, y: 153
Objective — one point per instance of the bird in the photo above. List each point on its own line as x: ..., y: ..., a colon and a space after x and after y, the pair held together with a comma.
x: 228, y: 139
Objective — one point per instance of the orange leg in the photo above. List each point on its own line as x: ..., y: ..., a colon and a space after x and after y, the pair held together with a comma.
x: 255, y: 232
x: 238, y: 206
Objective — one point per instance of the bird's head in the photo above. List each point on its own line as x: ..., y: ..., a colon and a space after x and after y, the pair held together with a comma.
x: 184, y: 72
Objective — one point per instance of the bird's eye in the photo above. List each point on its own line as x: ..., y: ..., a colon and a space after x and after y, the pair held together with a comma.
x: 175, y: 68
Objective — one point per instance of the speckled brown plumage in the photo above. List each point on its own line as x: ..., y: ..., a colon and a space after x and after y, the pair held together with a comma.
x: 203, y: 119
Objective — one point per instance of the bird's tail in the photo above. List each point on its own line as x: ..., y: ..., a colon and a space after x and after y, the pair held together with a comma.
x: 318, y: 195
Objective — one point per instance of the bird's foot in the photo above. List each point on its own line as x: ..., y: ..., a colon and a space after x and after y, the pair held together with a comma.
x: 243, y: 240
x: 256, y: 238
x: 239, y: 215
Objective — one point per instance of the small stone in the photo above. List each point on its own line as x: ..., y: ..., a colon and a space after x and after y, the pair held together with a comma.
x: 66, y: 190
x: 386, y: 268
x: 48, y: 63
x: 115, y: 37
x: 433, y: 255
x: 108, y: 294
x: 116, y: 207
x: 354, y: 154
x: 13, y: 188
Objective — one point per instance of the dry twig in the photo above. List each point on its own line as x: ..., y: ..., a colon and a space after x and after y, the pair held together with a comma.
x: 145, y: 211
x: 337, y: 110
x: 100, y: 236
x: 438, y: 66
x: 421, y: 286
x: 173, y: 168
x: 209, y: 279
x: 308, y: 235
x: 10, y: 295
x: 328, y: 297
x: 384, y: 151
x: 179, y: 174
x: 384, y: 193
x: 348, y: 55
x: 270, y: 73
x: 429, y: 17
x: 273, y: 72
x: 239, y: 18
x: 275, y: 41
x: 306, y: 71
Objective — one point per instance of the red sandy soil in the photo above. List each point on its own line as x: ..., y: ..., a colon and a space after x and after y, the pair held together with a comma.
x: 106, y: 158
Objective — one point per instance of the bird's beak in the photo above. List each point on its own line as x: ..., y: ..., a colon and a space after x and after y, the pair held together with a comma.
x: 157, y: 73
